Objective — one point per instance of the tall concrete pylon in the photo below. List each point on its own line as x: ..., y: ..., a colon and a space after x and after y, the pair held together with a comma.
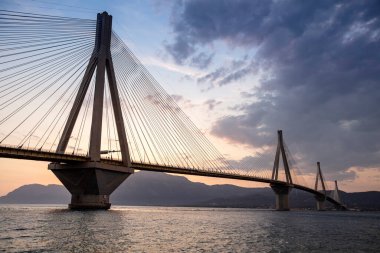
x: 320, y: 198
x: 92, y: 182
x: 335, y: 194
x: 336, y: 197
x: 281, y: 189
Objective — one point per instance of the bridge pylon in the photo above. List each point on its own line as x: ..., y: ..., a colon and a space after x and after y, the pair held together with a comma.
x: 321, y: 198
x: 92, y: 182
x: 336, y: 197
x: 281, y: 189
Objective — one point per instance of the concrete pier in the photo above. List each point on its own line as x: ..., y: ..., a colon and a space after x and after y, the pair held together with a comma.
x: 282, y: 196
x: 320, y: 202
x: 91, y: 183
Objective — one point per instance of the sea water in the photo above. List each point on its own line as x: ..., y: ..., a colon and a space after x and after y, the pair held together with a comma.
x: 38, y: 228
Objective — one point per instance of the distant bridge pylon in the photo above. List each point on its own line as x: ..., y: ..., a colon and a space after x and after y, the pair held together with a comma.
x: 320, y: 198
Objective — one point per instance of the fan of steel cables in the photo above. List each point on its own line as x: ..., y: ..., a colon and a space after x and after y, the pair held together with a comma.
x: 42, y: 63
x: 42, y: 60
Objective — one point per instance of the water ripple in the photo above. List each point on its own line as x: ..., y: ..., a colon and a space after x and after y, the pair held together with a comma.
x: 160, y: 229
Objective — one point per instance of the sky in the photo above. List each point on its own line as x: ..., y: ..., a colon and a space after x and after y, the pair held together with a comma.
x: 243, y: 69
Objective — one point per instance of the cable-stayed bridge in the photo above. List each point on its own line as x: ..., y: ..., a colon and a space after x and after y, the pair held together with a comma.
x: 73, y: 94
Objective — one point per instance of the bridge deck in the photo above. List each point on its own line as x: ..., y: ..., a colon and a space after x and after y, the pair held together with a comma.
x: 41, y: 155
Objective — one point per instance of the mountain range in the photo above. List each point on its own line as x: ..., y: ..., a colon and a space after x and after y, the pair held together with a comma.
x: 160, y: 189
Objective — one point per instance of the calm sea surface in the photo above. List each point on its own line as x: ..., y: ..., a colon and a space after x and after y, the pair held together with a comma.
x: 159, y: 229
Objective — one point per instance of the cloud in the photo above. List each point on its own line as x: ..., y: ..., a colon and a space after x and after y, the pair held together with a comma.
x: 183, y: 102
x: 180, y: 50
x: 365, y: 179
x: 196, y: 23
x: 187, y: 71
x: 162, y: 103
x: 318, y: 63
x: 260, y: 162
x: 199, y: 22
x: 233, y: 72
x: 202, y: 60
x: 211, y: 103
x: 177, y: 98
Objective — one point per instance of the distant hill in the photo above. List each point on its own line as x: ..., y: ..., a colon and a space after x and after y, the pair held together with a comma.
x: 151, y: 188
x: 160, y: 189
x: 37, y: 194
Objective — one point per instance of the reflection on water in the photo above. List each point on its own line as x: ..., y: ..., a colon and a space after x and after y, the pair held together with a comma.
x: 159, y: 229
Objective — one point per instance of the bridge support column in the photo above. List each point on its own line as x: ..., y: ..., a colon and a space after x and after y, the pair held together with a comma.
x: 320, y: 202
x: 90, y: 183
x: 282, y: 196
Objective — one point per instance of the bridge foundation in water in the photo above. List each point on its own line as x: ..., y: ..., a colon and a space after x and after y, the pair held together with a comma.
x: 282, y: 196
x: 320, y: 203
x: 90, y: 183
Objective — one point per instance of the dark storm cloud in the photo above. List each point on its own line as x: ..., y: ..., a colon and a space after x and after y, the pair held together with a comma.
x: 260, y: 162
x: 181, y: 49
x: 321, y: 61
x: 201, y: 22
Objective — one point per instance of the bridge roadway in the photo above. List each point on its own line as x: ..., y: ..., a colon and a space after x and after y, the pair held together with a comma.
x: 42, y: 155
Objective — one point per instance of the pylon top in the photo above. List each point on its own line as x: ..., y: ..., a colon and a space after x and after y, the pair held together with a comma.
x: 281, y: 150
x: 103, y: 34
